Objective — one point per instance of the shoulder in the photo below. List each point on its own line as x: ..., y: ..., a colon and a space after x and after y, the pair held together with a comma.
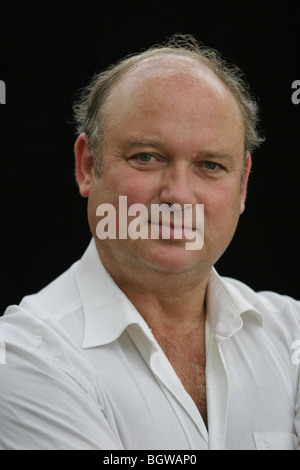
x: 277, y: 310
x: 57, y: 299
x: 264, y: 297
x: 54, y: 313
x: 40, y: 343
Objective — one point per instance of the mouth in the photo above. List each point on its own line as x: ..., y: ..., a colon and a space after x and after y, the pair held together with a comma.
x: 170, y: 231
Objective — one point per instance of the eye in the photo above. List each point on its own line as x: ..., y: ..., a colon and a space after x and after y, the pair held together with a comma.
x: 145, y: 161
x: 211, y: 166
x: 211, y: 169
x: 144, y: 157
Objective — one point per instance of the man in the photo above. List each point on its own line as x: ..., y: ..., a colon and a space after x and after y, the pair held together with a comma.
x: 141, y: 344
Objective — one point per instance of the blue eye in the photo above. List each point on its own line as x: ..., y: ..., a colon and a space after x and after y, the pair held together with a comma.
x: 211, y: 165
x: 145, y: 157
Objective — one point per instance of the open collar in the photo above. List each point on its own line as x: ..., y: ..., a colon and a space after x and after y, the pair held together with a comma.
x: 108, y: 312
x: 228, y: 304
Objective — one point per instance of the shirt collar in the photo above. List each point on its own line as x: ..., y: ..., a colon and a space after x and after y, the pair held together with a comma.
x: 108, y: 312
x: 228, y: 306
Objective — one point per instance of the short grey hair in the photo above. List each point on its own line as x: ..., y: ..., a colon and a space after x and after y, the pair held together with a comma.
x: 87, y: 108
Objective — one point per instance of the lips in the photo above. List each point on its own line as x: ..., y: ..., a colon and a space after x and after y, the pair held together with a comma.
x: 170, y: 231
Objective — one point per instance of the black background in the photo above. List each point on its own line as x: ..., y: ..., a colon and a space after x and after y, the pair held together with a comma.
x: 51, y: 49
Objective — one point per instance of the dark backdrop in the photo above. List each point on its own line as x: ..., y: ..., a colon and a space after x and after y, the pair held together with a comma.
x: 51, y: 49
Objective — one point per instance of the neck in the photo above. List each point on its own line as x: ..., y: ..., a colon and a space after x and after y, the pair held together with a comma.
x: 167, y: 302
x: 171, y: 317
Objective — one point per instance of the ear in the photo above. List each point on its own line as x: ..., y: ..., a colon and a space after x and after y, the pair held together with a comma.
x: 245, y: 182
x: 83, y: 164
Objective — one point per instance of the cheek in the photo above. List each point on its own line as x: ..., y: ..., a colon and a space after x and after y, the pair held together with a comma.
x: 139, y: 187
x: 222, y: 206
x: 95, y: 198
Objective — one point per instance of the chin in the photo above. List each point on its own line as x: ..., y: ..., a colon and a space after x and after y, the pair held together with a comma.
x: 171, y: 259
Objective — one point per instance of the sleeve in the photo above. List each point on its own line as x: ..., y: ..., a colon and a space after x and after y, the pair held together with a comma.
x: 295, y: 357
x: 44, y: 406
x: 297, y: 408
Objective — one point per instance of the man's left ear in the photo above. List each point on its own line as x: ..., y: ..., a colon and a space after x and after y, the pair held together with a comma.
x: 84, y: 164
x: 248, y: 163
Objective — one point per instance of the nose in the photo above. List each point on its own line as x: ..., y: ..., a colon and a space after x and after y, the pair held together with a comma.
x: 177, y: 185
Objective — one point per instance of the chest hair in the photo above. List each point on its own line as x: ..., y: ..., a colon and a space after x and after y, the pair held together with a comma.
x: 188, y: 358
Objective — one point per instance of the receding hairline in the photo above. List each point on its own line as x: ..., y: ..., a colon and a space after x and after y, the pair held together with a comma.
x: 92, y: 100
x: 176, y: 64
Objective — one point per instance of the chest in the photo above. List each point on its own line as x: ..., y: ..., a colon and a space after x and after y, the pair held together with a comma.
x: 128, y: 392
x: 188, y: 359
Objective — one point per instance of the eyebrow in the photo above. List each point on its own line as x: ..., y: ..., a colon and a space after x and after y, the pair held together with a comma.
x: 218, y: 155
x: 143, y: 143
x: 201, y: 154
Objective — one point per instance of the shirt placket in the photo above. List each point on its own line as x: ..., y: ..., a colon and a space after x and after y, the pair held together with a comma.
x: 171, y: 384
x: 217, y: 393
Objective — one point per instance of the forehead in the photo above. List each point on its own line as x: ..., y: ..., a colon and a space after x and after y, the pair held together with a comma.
x: 162, y: 94
x: 168, y: 78
x: 172, y: 71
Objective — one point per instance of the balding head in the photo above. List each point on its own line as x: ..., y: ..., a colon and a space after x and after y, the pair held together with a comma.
x: 182, y: 52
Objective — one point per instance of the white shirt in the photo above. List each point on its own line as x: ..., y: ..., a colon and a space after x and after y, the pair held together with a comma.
x: 80, y: 369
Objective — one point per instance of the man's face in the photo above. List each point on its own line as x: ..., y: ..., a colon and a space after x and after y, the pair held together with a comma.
x: 171, y: 135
